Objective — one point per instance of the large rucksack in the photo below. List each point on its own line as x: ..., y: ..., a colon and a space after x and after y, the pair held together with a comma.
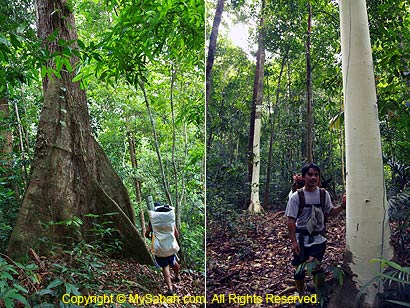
x: 164, y: 243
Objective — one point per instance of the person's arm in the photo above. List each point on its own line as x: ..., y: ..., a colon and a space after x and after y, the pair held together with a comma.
x: 148, y: 231
x: 292, y: 234
x: 176, y: 233
x: 336, y: 210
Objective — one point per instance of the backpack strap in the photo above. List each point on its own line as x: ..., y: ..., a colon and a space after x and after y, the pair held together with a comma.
x: 322, y: 198
x: 302, y: 202
x: 323, y: 203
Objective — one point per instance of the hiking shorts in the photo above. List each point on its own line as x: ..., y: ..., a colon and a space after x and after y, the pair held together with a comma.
x: 165, y: 261
x: 316, y: 251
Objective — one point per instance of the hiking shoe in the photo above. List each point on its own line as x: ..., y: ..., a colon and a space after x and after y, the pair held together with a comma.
x: 169, y: 293
x: 300, y: 303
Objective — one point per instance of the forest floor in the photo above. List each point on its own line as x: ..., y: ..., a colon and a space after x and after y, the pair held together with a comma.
x: 55, y: 276
x: 250, y: 257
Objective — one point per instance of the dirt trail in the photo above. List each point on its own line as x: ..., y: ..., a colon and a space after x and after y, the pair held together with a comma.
x: 251, y: 258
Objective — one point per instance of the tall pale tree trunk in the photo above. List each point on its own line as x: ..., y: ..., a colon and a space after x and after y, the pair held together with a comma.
x: 71, y: 175
x: 212, y: 47
x: 367, y: 229
x: 255, y: 205
x: 309, y: 98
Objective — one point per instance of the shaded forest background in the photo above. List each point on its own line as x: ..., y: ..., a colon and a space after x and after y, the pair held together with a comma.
x: 284, y: 104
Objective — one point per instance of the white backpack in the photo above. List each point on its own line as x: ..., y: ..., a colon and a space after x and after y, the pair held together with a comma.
x: 164, y: 243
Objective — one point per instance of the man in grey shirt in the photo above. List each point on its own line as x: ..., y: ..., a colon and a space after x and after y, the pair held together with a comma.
x: 306, y: 226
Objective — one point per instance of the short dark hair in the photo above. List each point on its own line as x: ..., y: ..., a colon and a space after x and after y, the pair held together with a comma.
x: 306, y: 168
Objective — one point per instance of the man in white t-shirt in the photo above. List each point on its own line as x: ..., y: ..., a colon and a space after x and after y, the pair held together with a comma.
x: 306, y: 226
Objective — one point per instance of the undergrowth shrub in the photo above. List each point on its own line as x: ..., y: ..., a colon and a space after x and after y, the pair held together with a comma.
x: 8, y: 211
x: 399, y: 214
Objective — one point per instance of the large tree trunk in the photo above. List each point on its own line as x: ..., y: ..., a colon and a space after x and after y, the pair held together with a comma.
x: 71, y: 175
x: 367, y: 229
x: 255, y: 205
x: 212, y: 47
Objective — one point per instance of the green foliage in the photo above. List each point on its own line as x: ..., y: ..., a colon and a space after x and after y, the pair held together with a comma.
x: 8, y: 210
x: 102, y: 236
x: 309, y: 267
x: 396, y: 279
x: 192, y: 240
x: 11, y: 292
x: 76, y: 276
x: 18, y: 45
x: 337, y: 274
x: 399, y: 214
x: 138, y: 37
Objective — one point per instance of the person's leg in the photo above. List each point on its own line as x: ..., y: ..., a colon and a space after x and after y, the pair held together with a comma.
x: 175, y: 268
x: 318, y: 274
x: 167, y: 277
x: 299, y: 275
x: 164, y: 264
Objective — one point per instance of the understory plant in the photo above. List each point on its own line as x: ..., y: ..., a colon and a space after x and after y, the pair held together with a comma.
x: 396, y: 279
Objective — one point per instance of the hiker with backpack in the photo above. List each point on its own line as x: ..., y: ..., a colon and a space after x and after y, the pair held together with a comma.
x: 162, y: 230
x: 298, y: 182
x: 306, y: 211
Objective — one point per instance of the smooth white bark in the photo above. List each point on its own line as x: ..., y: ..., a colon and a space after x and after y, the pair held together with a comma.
x: 255, y: 205
x: 367, y: 229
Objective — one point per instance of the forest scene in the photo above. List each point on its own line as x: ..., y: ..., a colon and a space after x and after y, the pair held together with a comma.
x: 101, y: 116
x: 115, y: 113
x: 303, y: 89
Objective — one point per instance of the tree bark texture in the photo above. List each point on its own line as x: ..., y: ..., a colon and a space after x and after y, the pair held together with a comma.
x: 71, y: 175
x: 367, y: 229
x: 212, y: 47
x: 255, y: 205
